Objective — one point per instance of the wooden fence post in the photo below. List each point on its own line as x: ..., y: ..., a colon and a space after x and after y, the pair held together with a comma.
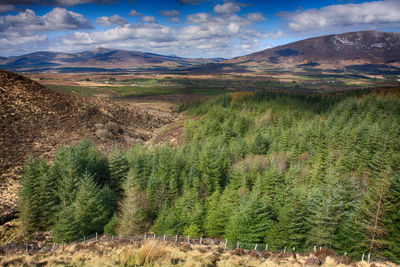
x: 315, y: 249
x: 145, y: 236
x: 201, y: 239
x: 154, y: 237
x: 266, y: 247
x: 96, y: 236
x: 362, y: 258
x: 164, y: 237
x: 188, y: 240
x: 237, y: 245
x: 176, y: 239
x: 255, y: 248
x: 226, y: 242
x: 369, y: 257
x: 284, y: 250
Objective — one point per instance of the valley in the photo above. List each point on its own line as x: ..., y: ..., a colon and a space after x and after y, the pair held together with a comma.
x: 295, y: 146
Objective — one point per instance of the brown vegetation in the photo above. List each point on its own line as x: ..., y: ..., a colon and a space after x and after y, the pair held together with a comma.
x: 125, y: 252
x: 35, y: 120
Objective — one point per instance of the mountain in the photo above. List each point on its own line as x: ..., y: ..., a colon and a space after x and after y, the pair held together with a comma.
x: 35, y: 120
x: 357, y: 50
x: 100, y: 59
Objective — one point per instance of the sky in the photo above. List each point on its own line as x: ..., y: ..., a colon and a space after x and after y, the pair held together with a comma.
x: 185, y: 28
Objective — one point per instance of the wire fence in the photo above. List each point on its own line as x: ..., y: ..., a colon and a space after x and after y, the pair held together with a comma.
x: 31, y: 248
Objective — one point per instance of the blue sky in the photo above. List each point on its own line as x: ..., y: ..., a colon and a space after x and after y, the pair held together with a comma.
x: 186, y: 28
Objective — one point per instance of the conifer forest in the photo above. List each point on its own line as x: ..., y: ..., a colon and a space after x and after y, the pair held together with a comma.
x: 270, y: 168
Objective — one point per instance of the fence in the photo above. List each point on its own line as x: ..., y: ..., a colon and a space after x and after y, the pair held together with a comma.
x: 173, y: 239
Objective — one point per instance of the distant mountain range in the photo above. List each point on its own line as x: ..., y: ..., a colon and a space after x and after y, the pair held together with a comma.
x: 347, y: 50
x: 100, y: 59
x: 364, y: 51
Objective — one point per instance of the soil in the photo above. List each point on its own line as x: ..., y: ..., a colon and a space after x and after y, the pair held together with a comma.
x: 37, y: 121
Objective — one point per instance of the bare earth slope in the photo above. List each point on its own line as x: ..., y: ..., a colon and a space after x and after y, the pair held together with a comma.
x: 35, y: 120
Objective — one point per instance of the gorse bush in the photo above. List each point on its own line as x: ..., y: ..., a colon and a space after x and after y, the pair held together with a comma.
x: 287, y: 170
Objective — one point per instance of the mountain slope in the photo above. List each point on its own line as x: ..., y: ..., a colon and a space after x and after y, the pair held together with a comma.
x: 335, y: 51
x: 35, y: 120
x: 98, y: 59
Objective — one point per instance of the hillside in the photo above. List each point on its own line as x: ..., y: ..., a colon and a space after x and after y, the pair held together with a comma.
x: 355, y: 50
x: 98, y: 60
x: 276, y: 169
x: 36, y: 121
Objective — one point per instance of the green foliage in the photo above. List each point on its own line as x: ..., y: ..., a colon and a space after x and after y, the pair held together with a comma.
x: 283, y: 169
x: 111, y: 227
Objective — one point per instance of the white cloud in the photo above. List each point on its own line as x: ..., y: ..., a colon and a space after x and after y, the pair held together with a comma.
x: 135, y: 13
x: 59, y: 19
x: 111, y: 21
x: 129, y: 32
x: 198, y: 17
x: 170, y: 13
x: 148, y: 19
x: 174, y: 19
x: 377, y: 13
x: 6, y: 8
x: 257, y: 16
x: 219, y: 34
x: 227, y: 8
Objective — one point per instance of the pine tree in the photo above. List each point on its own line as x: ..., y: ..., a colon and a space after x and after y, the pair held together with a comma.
x: 29, y: 198
x: 294, y: 221
x: 48, y: 196
x: 253, y: 221
x: 134, y: 210
x: 90, y: 212
x: 66, y: 228
x: 119, y: 167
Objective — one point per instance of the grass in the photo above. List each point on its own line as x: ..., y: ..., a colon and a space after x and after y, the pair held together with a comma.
x: 157, y: 253
x: 77, y: 90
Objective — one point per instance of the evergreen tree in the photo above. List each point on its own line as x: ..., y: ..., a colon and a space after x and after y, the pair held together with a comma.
x: 29, y: 198
x: 133, y: 210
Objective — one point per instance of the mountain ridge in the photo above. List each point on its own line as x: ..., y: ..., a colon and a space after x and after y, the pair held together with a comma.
x: 335, y: 50
x: 103, y: 58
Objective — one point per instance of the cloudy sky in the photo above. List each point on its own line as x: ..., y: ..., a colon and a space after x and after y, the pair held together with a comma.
x: 186, y: 28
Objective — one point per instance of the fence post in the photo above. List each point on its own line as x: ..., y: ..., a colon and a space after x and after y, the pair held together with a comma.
x: 145, y: 236
x: 315, y: 249
x: 112, y: 237
x: 27, y: 248
x: 362, y: 258
x: 266, y: 247
x: 96, y: 236
x: 369, y: 257
x: 226, y: 242
x: 176, y: 239
x: 237, y: 245
x: 345, y: 253
x: 188, y: 239
x: 212, y: 241
x: 255, y: 248
x: 164, y: 237
x: 284, y: 250
x: 201, y: 239
x: 294, y: 248
x: 154, y: 237
x: 320, y: 248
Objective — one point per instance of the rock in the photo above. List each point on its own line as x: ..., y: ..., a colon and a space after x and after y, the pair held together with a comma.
x: 104, y: 134
x: 313, y: 262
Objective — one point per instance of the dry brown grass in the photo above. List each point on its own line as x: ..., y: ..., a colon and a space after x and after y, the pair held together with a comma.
x: 156, y: 253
